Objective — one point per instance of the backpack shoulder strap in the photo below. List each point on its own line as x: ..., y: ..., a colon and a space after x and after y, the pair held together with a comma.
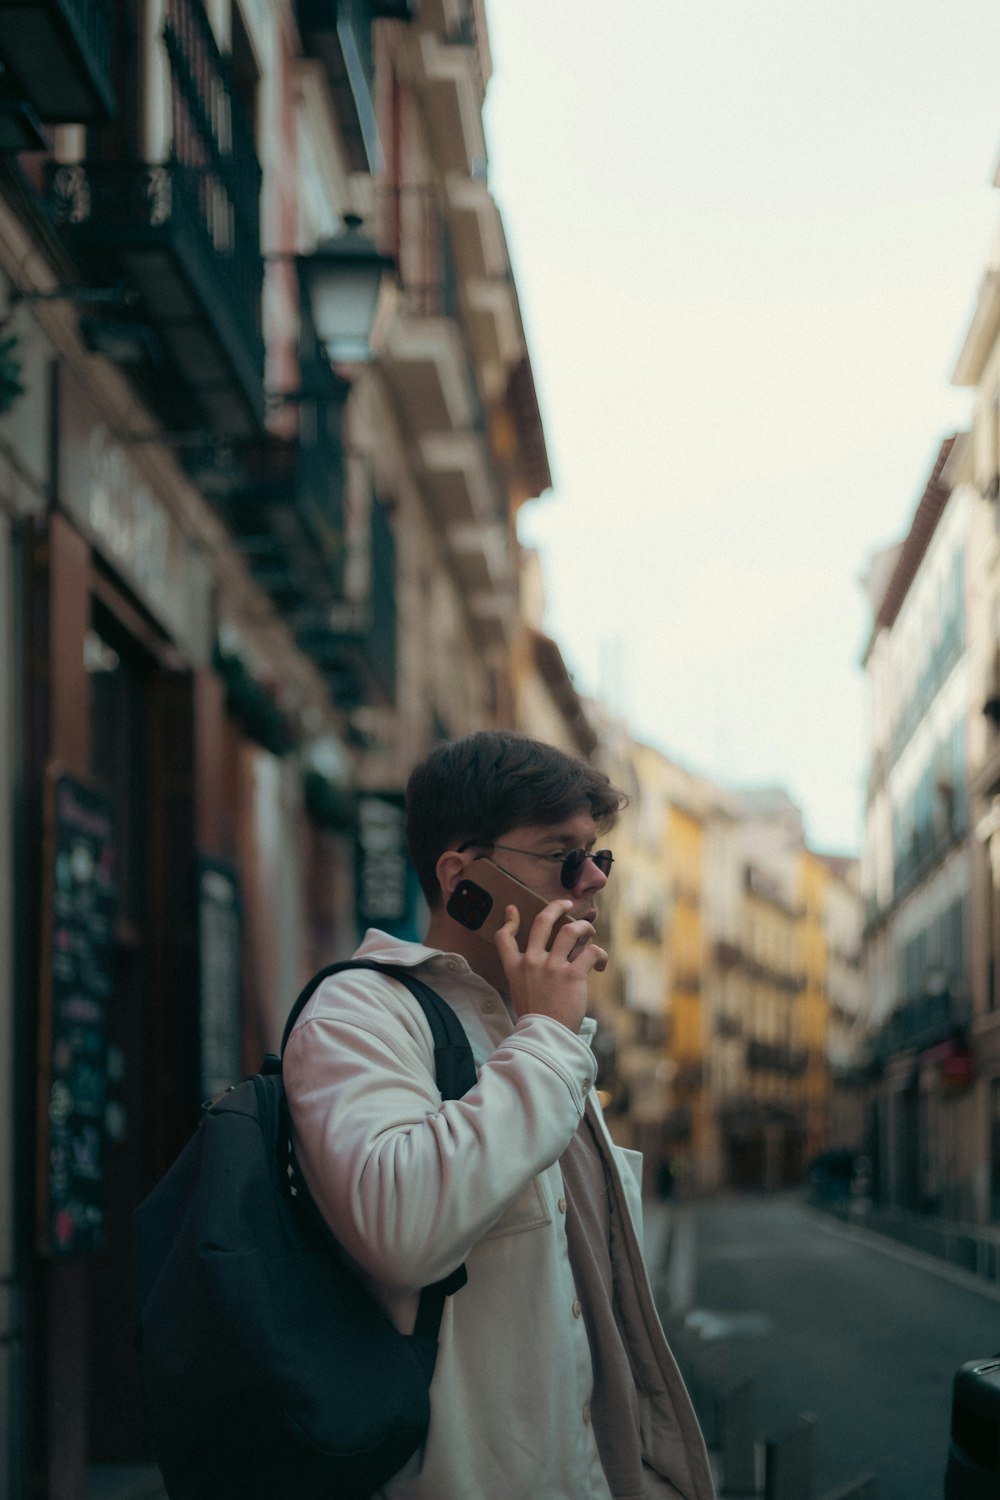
x: 454, y: 1067
x: 454, y: 1071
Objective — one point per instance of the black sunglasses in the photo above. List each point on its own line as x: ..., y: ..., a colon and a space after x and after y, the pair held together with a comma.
x: 572, y: 863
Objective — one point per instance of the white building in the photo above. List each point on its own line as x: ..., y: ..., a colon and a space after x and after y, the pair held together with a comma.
x: 916, y: 872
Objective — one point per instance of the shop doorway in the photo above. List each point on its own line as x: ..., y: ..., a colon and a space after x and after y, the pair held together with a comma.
x: 120, y: 676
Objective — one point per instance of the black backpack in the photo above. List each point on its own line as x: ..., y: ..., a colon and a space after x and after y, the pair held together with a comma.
x: 268, y: 1372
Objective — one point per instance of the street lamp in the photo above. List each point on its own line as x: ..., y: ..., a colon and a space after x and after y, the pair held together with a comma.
x: 341, y: 280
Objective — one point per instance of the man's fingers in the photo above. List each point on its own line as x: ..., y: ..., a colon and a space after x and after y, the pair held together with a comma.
x: 506, y: 936
x: 593, y: 956
x: 572, y: 938
x: 540, y: 935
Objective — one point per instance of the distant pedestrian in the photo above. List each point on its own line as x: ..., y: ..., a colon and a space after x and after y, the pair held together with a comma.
x: 665, y: 1179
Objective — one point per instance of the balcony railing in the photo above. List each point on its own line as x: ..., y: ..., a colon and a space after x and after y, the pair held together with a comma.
x: 945, y: 653
x: 172, y: 232
x: 333, y: 584
x: 690, y: 1074
x: 412, y: 229
x: 649, y: 927
x: 353, y: 640
x: 727, y: 1025
x: 927, y: 844
x: 923, y: 1022
x: 58, y: 53
x: 184, y: 235
x: 777, y: 1058
x: 728, y: 955
x: 211, y: 130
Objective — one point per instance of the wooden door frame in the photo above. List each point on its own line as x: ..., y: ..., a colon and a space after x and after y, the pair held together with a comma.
x: 69, y: 578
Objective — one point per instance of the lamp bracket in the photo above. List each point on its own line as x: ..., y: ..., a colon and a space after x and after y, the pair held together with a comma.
x: 120, y: 296
x: 329, y: 395
x: 108, y: 296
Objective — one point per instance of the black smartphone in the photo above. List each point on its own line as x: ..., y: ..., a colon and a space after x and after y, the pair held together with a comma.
x: 480, y: 899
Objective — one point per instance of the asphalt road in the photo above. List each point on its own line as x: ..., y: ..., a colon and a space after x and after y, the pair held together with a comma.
x: 865, y: 1340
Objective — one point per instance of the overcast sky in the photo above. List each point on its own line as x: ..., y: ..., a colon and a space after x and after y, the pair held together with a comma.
x: 747, y: 237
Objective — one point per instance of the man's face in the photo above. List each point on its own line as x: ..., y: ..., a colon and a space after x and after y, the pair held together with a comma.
x: 537, y: 862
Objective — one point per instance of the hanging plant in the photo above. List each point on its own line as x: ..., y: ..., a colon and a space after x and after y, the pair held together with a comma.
x: 11, y: 389
x: 328, y: 805
x: 255, y: 708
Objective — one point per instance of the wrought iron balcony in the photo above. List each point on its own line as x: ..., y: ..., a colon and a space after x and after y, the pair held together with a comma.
x: 727, y: 1025
x: 925, y: 1021
x: 183, y: 234
x: 776, y: 1058
x: 58, y: 54
x: 414, y: 231
x: 173, y: 234
x: 728, y: 955
x: 427, y: 362
x: 690, y: 1074
x: 427, y: 358
x: 285, y: 509
x: 354, y: 643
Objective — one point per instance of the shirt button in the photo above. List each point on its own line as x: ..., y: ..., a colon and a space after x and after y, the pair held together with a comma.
x: 453, y: 964
x: 562, y: 1205
x: 586, y: 1085
x: 586, y: 1413
x: 489, y: 1006
x: 577, y: 1309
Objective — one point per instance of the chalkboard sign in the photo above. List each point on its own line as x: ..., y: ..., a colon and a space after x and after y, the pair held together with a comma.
x: 219, y: 976
x: 77, y: 978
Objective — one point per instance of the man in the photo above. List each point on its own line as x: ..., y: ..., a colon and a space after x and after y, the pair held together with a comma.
x: 553, y: 1379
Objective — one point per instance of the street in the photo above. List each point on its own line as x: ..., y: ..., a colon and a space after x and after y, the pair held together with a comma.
x: 865, y: 1340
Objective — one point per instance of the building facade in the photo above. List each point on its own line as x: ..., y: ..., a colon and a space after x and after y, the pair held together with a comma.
x: 978, y: 368
x: 765, y: 997
x: 814, y: 1006
x: 686, y: 950
x: 255, y: 559
x: 917, y: 857
x: 732, y: 1015
x: 847, y: 1018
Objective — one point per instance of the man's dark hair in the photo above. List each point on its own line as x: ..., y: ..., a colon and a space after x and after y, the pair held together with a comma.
x: 481, y: 786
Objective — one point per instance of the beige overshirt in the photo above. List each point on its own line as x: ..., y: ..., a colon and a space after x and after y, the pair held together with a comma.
x: 412, y: 1187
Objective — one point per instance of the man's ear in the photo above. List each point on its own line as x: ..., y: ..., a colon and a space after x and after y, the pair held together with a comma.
x: 449, y: 870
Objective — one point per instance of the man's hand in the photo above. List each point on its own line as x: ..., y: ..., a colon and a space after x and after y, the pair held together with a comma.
x: 550, y: 981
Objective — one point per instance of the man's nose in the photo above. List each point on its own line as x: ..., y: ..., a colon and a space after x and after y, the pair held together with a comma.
x: 591, y: 877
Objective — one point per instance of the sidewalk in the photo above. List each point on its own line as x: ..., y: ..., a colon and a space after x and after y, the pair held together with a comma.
x: 966, y: 1254
x: 668, y: 1246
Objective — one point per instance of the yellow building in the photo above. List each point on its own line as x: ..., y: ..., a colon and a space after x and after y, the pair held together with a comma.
x: 755, y: 1125
x: 814, y: 1004
x: 637, y: 980
x: 775, y: 1057
x: 649, y: 1002
x: 685, y: 855
x: 848, y: 1026
x: 733, y: 983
